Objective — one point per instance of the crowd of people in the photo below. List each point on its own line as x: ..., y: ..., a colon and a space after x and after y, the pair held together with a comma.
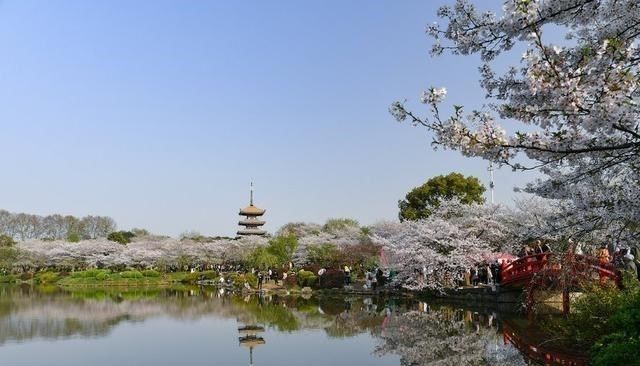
x: 621, y: 257
x: 376, y: 278
x: 489, y: 272
x: 537, y: 247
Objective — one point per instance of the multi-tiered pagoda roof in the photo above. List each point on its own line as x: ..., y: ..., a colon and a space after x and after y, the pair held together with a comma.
x: 252, y: 223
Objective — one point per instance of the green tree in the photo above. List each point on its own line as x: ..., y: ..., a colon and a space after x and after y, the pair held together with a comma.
x: 279, y: 251
x: 8, y: 256
x: 122, y: 237
x: 73, y: 237
x: 421, y: 201
x: 260, y: 257
x: 283, y: 247
x: 324, y: 255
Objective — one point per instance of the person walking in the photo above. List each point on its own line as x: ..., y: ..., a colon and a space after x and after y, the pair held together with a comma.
x: 494, y: 271
x: 604, y: 256
x: 489, y: 275
x: 630, y: 265
x: 467, y: 277
x: 374, y: 282
x: 260, y: 279
x: 474, y: 276
x: 380, y: 277
x: 537, y: 248
x: 636, y: 259
x: 347, y: 275
x: 604, y: 259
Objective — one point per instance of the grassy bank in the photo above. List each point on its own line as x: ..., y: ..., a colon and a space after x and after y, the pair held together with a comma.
x: 108, y: 278
x: 146, y: 278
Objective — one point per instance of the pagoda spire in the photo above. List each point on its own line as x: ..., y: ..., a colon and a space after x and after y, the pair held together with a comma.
x: 252, y: 225
x: 251, y: 194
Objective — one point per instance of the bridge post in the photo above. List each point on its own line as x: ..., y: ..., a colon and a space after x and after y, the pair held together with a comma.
x: 566, y: 300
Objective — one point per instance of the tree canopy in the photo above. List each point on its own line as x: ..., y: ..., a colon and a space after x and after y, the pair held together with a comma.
x: 421, y: 201
x: 279, y: 251
x: 575, y: 103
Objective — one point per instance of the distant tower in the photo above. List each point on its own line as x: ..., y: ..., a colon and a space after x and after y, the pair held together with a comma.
x: 251, y: 221
x: 491, y: 184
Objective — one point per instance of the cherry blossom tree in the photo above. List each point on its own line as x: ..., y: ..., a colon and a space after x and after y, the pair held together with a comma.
x: 149, y: 252
x: 457, y: 236
x: 343, y: 233
x: 429, y: 253
x: 576, y: 101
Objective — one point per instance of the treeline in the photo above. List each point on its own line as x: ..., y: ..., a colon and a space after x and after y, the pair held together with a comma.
x: 22, y: 226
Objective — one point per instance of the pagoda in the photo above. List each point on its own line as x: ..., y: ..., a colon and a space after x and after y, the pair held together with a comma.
x: 250, y: 339
x: 251, y: 222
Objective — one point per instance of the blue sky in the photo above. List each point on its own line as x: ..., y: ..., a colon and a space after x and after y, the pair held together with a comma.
x: 159, y: 113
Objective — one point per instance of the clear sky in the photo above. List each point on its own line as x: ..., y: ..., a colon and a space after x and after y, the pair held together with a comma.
x: 159, y: 113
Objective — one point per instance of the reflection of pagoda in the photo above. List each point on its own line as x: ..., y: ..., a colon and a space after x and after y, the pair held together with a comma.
x: 250, y: 339
x: 251, y: 222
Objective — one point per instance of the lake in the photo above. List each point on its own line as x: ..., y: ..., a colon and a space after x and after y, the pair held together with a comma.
x: 203, y: 326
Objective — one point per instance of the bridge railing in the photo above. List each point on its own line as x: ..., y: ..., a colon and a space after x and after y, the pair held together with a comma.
x: 522, y: 270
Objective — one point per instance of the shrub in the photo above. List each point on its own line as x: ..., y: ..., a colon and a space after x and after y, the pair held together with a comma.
x: 102, y: 276
x: 332, y: 278
x: 131, y: 274
x: 90, y: 273
x: 73, y: 237
x: 8, y: 279
x: 151, y: 273
x: 291, y: 281
x: 46, y: 277
x: 306, y: 278
x: 6, y: 241
x: 190, y: 277
x: 122, y: 237
x: 238, y: 279
x: 209, y: 275
x: 93, y: 272
x: 622, y: 342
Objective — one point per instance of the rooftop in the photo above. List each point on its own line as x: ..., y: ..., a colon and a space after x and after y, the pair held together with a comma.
x: 252, y: 210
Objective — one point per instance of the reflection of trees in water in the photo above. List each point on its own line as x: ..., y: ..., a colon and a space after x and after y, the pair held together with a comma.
x: 358, y: 315
x: 445, y: 337
x: 435, y: 337
x: 26, y: 313
x: 271, y: 312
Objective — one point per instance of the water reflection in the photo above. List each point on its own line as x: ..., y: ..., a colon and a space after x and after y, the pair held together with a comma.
x: 249, y: 338
x: 401, y: 331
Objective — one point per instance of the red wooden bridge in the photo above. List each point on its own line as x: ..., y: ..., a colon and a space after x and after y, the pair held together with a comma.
x: 526, y: 270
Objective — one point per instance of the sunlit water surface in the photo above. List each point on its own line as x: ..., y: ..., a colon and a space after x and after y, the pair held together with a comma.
x: 202, y: 326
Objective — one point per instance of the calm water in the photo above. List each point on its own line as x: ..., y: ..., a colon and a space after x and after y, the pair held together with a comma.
x: 202, y: 327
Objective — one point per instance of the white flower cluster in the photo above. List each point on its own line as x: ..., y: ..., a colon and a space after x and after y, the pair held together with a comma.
x: 433, y: 95
x: 147, y: 252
